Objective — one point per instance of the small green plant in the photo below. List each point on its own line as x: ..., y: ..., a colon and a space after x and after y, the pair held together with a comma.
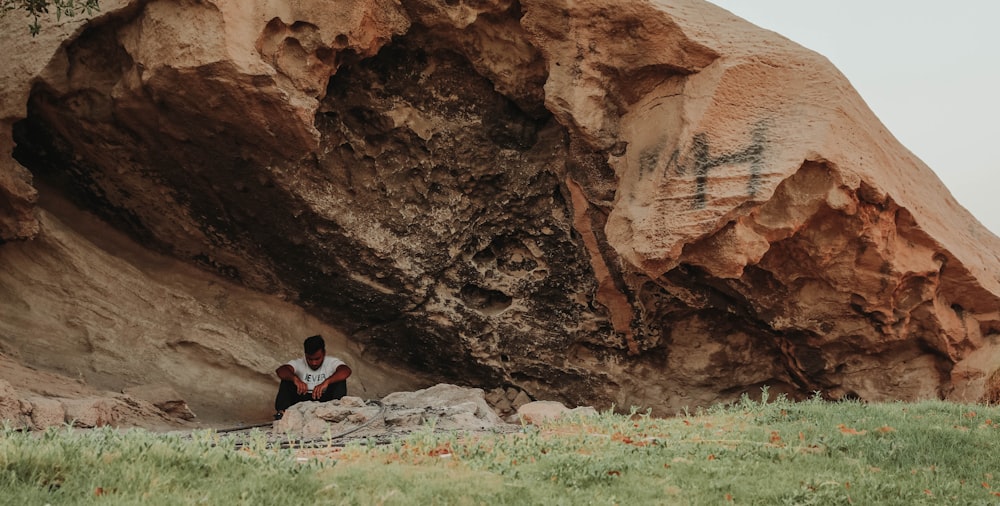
x: 35, y: 9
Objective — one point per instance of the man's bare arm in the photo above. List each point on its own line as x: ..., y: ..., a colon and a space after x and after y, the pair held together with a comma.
x: 287, y: 373
x: 343, y: 372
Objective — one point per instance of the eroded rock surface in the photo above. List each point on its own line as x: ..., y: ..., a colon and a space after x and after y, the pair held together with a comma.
x: 80, y: 407
x: 441, y: 407
x: 638, y: 203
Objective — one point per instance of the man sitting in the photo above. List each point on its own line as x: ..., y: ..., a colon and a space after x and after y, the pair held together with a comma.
x: 315, y: 377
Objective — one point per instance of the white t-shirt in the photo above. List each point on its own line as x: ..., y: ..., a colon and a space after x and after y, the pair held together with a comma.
x: 312, y: 378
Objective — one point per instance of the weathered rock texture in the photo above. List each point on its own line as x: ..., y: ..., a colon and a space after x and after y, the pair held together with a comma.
x: 629, y: 202
x: 442, y: 407
x: 35, y: 400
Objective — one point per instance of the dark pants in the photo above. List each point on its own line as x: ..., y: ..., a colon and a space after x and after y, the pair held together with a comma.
x: 287, y: 395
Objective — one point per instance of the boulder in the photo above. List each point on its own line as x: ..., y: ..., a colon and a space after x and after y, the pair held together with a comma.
x: 599, y: 202
x: 163, y: 397
x: 310, y: 419
x: 92, y: 412
x: 443, y: 402
x: 47, y: 412
x: 441, y: 407
x: 10, y: 406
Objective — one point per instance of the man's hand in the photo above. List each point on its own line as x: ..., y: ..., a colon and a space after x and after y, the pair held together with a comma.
x: 301, y: 387
x: 318, y: 390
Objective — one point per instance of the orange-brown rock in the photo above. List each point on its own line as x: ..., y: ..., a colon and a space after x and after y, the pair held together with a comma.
x: 646, y: 203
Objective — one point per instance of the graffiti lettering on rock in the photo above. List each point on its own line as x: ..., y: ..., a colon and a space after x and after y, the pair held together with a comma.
x: 700, y: 160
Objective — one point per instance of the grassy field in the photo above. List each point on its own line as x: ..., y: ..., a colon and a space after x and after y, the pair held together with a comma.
x: 751, y: 452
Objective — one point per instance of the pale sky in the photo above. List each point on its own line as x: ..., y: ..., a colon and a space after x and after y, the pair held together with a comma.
x: 929, y: 69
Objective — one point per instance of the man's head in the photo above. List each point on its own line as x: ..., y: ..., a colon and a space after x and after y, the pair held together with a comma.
x: 315, y: 349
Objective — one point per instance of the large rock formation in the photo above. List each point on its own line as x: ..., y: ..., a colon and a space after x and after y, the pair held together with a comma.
x: 629, y: 202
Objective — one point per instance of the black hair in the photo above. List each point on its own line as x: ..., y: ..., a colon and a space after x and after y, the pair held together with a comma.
x: 313, y: 344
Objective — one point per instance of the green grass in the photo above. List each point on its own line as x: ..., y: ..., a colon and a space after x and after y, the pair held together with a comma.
x: 130, y: 467
x: 776, y: 452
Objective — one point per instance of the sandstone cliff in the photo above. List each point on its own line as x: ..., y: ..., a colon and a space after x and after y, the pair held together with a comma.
x: 646, y: 203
